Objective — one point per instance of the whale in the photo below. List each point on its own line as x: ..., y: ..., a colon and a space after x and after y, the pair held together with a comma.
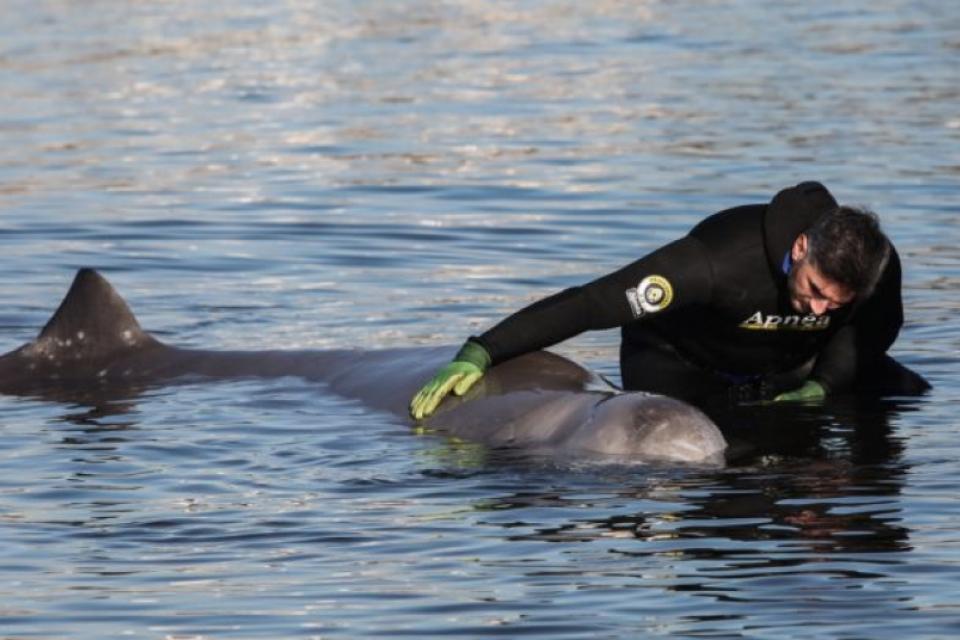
x: 539, y: 403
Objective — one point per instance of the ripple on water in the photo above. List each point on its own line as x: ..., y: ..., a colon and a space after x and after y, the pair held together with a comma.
x: 372, y: 175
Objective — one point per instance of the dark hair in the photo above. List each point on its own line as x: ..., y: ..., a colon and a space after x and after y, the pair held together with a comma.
x: 848, y: 247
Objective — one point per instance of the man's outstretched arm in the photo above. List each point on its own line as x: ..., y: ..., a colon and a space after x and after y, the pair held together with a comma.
x: 668, y: 279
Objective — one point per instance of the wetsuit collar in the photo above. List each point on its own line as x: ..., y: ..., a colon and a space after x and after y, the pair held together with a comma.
x: 788, y: 215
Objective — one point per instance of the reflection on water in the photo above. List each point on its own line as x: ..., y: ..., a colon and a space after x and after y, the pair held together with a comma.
x: 816, y: 478
x: 260, y: 508
x: 310, y: 175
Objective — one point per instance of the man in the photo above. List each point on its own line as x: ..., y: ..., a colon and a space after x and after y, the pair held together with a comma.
x: 792, y: 300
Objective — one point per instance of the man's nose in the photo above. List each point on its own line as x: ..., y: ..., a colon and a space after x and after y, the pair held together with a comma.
x: 819, y: 306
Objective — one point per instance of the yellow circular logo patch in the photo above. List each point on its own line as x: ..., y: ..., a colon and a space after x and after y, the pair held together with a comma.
x: 655, y: 293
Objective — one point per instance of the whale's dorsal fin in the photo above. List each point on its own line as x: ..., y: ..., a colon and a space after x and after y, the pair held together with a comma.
x: 92, y: 321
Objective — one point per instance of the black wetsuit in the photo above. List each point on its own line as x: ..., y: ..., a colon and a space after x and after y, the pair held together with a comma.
x: 710, y: 313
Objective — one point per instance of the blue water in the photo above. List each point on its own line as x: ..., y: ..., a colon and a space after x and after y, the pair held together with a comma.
x: 313, y: 175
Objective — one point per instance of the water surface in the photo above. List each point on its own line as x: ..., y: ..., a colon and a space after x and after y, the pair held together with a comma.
x: 373, y: 174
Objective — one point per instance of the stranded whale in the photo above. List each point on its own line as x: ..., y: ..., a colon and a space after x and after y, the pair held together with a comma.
x: 540, y: 402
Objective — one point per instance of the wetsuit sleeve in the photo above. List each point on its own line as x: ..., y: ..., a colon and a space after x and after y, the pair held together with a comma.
x: 859, y: 345
x: 669, y: 279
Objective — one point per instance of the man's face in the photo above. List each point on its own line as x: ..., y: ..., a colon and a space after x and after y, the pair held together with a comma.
x: 811, y: 291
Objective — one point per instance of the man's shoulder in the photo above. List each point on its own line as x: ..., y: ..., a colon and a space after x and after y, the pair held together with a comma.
x: 732, y: 229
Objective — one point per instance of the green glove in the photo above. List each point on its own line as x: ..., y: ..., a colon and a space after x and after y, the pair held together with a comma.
x: 467, y: 367
x: 810, y: 391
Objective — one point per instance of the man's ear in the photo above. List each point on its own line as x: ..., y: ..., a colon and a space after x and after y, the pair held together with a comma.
x: 799, y: 249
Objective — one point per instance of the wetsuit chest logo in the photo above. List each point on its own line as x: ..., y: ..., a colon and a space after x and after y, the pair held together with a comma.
x: 770, y: 322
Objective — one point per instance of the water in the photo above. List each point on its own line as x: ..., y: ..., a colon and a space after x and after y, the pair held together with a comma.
x: 312, y: 175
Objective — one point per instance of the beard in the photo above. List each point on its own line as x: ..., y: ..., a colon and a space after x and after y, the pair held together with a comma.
x: 798, y: 302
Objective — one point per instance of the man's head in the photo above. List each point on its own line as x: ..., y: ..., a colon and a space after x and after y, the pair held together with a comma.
x: 836, y: 260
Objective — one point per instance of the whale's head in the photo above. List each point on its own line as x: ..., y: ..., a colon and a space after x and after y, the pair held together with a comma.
x: 652, y: 427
